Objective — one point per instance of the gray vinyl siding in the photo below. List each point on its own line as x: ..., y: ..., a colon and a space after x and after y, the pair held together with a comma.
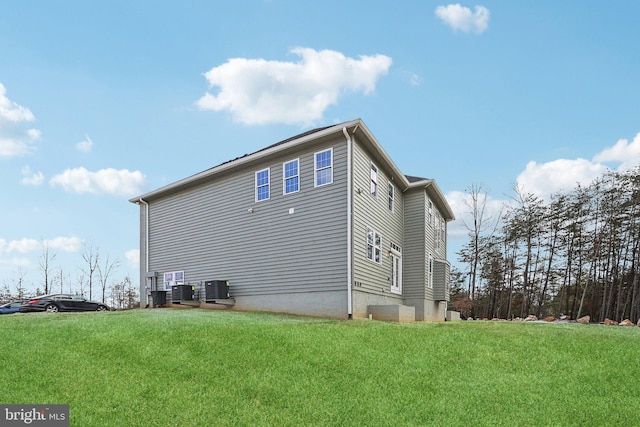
x: 415, y: 238
x: 441, y: 280
x: 208, y: 232
x: 373, y: 212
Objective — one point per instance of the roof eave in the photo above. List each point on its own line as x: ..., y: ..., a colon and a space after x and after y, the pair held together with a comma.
x: 246, y: 159
x: 381, y: 153
x: 430, y: 185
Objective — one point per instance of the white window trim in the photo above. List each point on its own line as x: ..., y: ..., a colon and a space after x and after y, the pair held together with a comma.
x: 285, y: 177
x: 316, y: 170
x: 391, y: 193
x: 430, y: 272
x: 374, y: 246
x: 268, y: 184
x: 373, y: 180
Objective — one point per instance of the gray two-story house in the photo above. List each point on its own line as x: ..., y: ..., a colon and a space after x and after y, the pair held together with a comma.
x: 321, y: 224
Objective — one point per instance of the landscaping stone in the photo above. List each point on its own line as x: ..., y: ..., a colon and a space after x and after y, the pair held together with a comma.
x: 609, y: 322
x: 584, y: 320
x: 550, y: 319
x: 531, y: 318
x: 626, y: 322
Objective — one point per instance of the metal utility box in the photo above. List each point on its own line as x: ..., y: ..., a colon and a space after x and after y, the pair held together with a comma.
x: 181, y: 293
x: 159, y: 298
x: 216, y: 289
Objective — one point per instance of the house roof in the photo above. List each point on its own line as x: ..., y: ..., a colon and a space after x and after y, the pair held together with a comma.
x: 353, y: 127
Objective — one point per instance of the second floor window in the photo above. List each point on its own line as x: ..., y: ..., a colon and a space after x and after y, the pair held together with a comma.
x: 262, y: 185
x: 391, y: 196
x: 430, y: 213
x: 323, y: 167
x: 291, y: 176
x: 374, y: 179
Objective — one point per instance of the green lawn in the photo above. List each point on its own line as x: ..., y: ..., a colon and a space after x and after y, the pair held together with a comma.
x: 166, y: 367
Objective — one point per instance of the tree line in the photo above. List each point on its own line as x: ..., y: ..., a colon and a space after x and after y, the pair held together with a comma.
x: 576, y: 254
x: 94, y: 280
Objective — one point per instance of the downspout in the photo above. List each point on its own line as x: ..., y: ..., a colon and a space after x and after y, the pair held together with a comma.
x: 143, y: 276
x: 349, y: 226
x: 146, y: 234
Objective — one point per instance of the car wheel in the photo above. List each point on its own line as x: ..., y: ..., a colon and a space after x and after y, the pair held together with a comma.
x: 52, y: 308
x: 101, y: 308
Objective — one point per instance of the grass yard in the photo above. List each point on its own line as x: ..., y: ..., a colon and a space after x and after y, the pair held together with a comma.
x: 166, y: 367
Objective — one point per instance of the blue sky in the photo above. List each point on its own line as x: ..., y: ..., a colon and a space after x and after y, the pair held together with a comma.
x: 102, y: 101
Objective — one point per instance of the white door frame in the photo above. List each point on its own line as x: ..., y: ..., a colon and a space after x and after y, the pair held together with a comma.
x: 396, y: 271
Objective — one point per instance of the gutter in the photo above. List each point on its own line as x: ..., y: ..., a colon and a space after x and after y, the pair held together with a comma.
x: 349, y: 226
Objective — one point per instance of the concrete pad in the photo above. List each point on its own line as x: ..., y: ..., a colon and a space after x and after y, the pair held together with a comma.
x: 393, y: 313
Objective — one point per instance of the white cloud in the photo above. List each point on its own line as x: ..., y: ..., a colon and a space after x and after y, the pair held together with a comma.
x: 105, y: 181
x: 133, y: 257
x: 86, y: 145
x: 31, y: 178
x: 11, y: 111
x: 14, y: 140
x: 461, y: 18
x: 623, y: 152
x: 258, y: 91
x: 65, y: 244
x: 563, y: 175
x: 21, y: 246
x: 11, y: 263
x: 26, y: 245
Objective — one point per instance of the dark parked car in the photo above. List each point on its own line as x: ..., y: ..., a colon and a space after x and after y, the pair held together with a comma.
x: 11, y: 307
x: 61, y: 302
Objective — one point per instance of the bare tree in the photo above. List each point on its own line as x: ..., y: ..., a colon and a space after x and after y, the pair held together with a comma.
x: 482, y: 223
x: 91, y: 257
x: 5, y: 293
x: 104, y: 271
x: 20, y: 290
x: 46, y: 259
x: 131, y: 297
x: 81, y: 283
